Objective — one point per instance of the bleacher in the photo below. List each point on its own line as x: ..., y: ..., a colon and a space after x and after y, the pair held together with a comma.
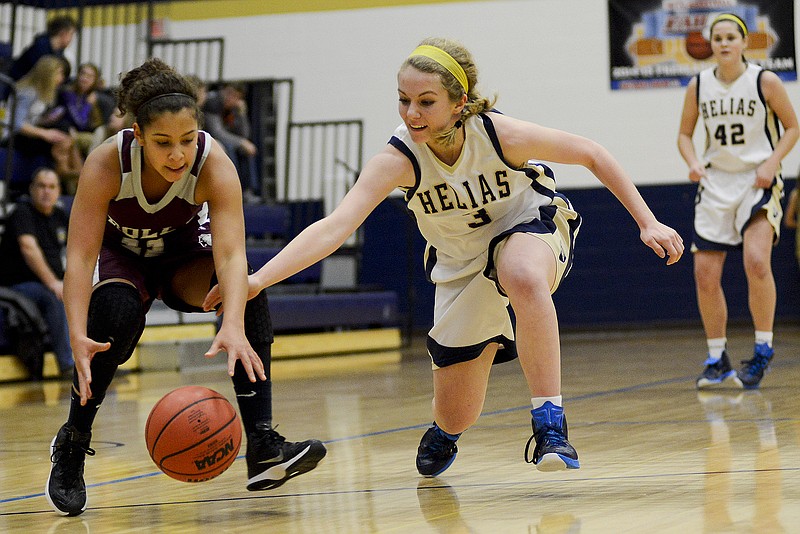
x: 302, y: 303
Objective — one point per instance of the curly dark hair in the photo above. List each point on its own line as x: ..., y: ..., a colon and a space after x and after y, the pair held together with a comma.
x: 155, y: 88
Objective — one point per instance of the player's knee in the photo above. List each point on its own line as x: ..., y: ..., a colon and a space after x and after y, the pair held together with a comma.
x: 455, y: 423
x: 455, y: 419
x: 757, y: 266
x: 116, y: 314
x: 707, y: 280
x: 527, y: 287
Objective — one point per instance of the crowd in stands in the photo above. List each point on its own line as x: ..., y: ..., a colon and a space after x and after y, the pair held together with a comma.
x: 58, y: 118
x: 57, y: 121
x: 60, y: 115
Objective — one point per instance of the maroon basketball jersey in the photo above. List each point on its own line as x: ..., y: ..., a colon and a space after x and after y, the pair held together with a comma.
x: 147, y: 229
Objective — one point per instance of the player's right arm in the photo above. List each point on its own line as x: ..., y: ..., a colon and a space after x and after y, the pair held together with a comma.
x: 689, y: 118
x: 98, y: 184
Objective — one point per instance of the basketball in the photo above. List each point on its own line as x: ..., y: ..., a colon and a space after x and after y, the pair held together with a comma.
x: 193, y: 434
x: 697, y: 46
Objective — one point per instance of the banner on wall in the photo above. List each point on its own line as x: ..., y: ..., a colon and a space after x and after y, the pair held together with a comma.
x: 663, y: 43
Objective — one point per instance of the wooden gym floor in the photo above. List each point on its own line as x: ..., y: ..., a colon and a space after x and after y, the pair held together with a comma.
x: 656, y: 455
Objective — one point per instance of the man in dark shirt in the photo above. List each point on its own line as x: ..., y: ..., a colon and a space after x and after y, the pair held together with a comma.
x: 32, y: 263
x: 60, y: 32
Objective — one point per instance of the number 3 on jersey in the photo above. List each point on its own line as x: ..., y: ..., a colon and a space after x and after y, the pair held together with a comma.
x: 482, y: 218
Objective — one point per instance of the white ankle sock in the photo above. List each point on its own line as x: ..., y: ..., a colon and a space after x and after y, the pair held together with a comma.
x: 538, y: 402
x: 716, y: 346
x: 763, y: 337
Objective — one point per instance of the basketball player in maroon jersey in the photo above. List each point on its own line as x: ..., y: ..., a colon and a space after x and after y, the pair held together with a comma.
x: 149, y: 202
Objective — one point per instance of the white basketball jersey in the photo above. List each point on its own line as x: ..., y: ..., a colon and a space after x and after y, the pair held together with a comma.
x: 460, y: 208
x: 741, y: 130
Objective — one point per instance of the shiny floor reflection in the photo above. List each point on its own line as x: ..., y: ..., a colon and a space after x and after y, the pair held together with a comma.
x: 656, y: 455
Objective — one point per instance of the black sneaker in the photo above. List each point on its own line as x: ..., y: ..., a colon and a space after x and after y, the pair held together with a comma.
x: 435, y: 453
x: 65, y: 489
x: 752, y: 371
x: 716, y: 372
x: 552, y: 451
x: 271, y: 460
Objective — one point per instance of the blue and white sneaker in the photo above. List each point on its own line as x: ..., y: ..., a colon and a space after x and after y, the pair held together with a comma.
x: 752, y: 371
x: 552, y: 451
x: 716, y: 373
x: 436, y: 452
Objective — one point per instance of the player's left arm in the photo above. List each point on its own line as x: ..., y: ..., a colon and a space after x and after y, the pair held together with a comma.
x: 523, y: 140
x: 777, y: 98
x: 219, y: 185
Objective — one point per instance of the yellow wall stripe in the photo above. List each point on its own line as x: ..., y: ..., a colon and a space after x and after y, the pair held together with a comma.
x: 215, y: 9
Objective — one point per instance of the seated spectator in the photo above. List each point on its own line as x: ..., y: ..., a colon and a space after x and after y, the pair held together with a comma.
x: 225, y: 118
x: 83, y: 112
x: 33, y: 248
x: 60, y: 33
x: 115, y: 122
x: 38, y: 121
x: 106, y: 107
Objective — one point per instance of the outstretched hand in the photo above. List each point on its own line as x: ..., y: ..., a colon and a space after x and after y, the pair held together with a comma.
x: 238, y: 348
x: 84, y: 351
x: 214, y: 297
x: 665, y: 242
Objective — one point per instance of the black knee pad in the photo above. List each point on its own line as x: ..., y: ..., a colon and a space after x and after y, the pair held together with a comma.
x: 257, y: 321
x: 258, y: 330
x: 116, y: 314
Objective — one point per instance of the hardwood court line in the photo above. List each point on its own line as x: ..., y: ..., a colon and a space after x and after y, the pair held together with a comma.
x: 579, y: 398
x: 587, y: 396
x: 487, y: 485
x: 93, y: 485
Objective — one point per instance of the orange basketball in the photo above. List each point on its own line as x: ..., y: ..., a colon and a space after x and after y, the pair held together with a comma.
x: 193, y: 434
x: 697, y: 46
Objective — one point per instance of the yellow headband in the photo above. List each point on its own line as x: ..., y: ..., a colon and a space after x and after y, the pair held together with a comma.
x: 445, y: 60
x: 732, y: 18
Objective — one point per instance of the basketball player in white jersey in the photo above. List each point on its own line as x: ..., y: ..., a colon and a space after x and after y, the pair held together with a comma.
x: 739, y: 192
x: 497, y: 231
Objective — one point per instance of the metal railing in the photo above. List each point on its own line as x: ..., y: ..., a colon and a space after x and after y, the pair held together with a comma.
x: 323, y: 159
x: 202, y: 57
x: 125, y: 26
x: 271, y: 104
